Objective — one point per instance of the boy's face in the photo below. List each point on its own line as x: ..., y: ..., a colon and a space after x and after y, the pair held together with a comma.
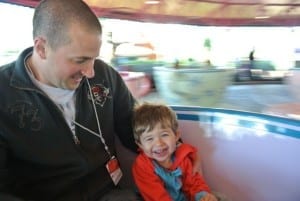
x: 159, y: 144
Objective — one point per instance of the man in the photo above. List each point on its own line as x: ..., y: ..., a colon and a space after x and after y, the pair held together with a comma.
x: 60, y: 111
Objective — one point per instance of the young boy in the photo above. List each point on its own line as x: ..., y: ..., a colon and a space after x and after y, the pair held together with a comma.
x: 163, y: 169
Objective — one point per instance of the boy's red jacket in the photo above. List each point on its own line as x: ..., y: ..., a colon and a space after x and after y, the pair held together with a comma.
x: 151, y: 186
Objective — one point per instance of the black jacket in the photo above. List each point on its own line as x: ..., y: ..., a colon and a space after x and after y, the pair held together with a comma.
x: 39, y: 160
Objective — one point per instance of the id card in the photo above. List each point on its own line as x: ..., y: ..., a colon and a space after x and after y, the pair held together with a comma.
x: 114, y: 170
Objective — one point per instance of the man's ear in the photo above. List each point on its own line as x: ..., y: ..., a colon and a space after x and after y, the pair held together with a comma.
x: 40, y: 47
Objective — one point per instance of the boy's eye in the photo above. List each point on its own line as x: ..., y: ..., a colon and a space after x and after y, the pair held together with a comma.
x: 165, y: 134
x: 148, y: 139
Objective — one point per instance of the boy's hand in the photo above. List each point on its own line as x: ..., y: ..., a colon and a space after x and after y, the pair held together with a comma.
x: 209, y: 197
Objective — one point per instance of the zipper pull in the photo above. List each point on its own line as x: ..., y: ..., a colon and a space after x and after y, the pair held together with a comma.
x: 76, y: 140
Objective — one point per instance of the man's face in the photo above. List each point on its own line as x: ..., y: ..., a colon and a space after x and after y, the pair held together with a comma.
x: 66, y: 66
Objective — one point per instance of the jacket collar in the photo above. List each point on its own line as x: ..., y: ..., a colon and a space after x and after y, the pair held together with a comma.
x: 20, y: 77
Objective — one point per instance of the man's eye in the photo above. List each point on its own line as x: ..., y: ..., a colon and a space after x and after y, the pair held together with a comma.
x: 80, y: 61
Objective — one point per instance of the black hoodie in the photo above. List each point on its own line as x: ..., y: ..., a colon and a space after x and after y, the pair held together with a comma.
x: 39, y: 160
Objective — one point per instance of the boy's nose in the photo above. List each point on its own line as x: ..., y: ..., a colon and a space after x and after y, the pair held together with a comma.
x: 158, y: 141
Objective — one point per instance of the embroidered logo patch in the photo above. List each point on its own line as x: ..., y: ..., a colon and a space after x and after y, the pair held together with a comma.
x: 100, y: 94
x: 26, y: 115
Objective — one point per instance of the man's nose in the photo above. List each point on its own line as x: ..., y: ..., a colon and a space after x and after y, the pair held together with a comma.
x: 89, y: 71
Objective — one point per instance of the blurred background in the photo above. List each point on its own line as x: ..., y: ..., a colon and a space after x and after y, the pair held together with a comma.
x: 250, y: 68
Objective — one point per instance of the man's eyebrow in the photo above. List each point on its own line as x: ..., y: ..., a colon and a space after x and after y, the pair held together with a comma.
x: 84, y: 58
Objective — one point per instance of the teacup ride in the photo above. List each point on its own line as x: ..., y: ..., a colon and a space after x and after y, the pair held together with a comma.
x: 245, y: 156
x: 138, y: 83
x: 293, y: 82
x: 136, y: 58
x: 139, y: 65
x: 192, y: 85
x: 289, y: 109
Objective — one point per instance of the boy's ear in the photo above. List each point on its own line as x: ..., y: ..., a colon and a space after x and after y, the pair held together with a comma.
x: 178, y: 135
x: 138, y: 143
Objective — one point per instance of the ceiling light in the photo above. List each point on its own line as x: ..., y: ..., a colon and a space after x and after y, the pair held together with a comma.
x: 152, y: 2
x: 262, y: 17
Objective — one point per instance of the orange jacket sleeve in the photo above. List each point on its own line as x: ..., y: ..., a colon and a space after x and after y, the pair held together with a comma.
x: 148, y: 183
x: 192, y: 183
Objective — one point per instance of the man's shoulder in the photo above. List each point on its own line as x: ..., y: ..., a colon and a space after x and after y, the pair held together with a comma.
x: 100, y: 64
x: 104, y: 69
x: 5, y: 72
x: 7, y: 67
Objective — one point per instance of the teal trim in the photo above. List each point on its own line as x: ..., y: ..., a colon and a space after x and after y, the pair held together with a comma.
x: 272, y: 124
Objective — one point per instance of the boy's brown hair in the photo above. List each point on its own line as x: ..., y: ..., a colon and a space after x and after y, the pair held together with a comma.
x: 147, y: 115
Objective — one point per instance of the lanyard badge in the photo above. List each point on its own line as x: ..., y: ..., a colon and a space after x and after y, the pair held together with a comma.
x: 112, y: 165
x: 114, y: 170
